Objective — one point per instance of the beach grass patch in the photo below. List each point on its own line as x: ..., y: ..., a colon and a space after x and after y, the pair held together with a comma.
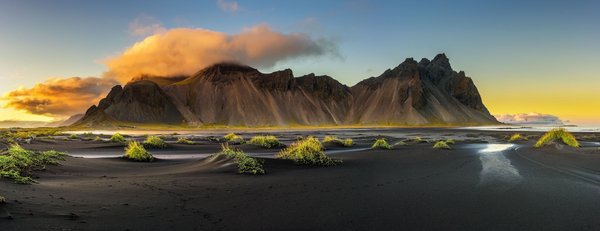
x: 73, y: 137
x: 154, y: 142
x: 117, y: 138
x: 266, y: 141
x: 450, y: 141
x: 245, y: 163
x: 19, y: 163
x: 441, y: 145
x: 185, y: 140
x: 234, y: 138
x: 337, y: 141
x: 381, y: 144
x: 517, y: 137
x: 307, y: 151
x: 136, y: 151
x: 557, y: 134
x: 348, y: 142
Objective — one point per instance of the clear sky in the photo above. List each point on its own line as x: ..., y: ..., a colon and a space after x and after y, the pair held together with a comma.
x: 524, y: 56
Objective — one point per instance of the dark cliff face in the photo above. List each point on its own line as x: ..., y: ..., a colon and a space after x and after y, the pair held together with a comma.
x: 138, y: 102
x: 413, y: 93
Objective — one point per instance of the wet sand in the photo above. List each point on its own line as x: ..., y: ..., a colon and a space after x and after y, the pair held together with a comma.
x: 481, y: 184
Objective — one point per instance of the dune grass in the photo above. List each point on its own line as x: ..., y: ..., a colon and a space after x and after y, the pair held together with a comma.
x: 381, y: 144
x: 337, y: 141
x: 450, y: 141
x: 185, y: 140
x: 234, y: 138
x: 136, y: 151
x: 19, y: 163
x: 307, y: 151
x: 348, y: 142
x: 117, y: 138
x: 266, y: 141
x: 441, y: 145
x: 557, y: 134
x: 245, y: 163
x: 154, y: 142
x: 399, y: 143
x: 73, y: 137
x: 517, y: 137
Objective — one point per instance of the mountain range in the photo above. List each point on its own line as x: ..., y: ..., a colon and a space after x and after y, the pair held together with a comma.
x: 413, y: 93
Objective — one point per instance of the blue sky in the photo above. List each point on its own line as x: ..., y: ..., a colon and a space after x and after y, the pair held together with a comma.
x: 512, y: 49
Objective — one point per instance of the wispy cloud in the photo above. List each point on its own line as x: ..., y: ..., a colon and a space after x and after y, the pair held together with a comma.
x: 228, y: 6
x: 530, y: 118
x: 145, y: 25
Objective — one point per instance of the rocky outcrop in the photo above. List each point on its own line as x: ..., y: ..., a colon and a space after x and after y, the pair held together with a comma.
x: 413, y: 93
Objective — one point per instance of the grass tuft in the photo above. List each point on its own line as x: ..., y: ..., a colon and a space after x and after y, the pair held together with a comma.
x: 517, y: 137
x: 307, y: 151
x: 118, y: 138
x: 337, y: 141
x: 185, y: 140
x: 266, y: 142
x: 450, y: 141
x: 246, y: 164
x: 399, y: 143
x: 381, y: 144
x: 19, y: 163
x: 154, y: 142
x: 441, y: 145
x: 234, y: 138
x: 136, y: 151
x: 557, y: 134
x: 348, y: 142
x: 73, y: 137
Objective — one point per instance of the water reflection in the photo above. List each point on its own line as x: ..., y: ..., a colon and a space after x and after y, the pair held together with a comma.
x: 497, y: 172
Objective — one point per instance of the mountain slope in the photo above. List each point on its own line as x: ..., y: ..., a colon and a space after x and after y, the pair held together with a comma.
x: 427, y: 92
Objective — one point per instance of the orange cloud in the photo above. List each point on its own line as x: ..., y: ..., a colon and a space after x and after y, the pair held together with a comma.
x: 184, y: 51
x: 59, y: 97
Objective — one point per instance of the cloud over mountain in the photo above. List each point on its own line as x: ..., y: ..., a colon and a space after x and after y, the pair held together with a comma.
x: 59, y: 97
x: 183, y: 51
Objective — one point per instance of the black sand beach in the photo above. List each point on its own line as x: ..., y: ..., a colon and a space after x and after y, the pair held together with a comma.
x: 481, y: 184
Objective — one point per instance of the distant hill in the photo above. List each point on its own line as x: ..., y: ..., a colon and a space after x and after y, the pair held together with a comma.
x: 413, y: 93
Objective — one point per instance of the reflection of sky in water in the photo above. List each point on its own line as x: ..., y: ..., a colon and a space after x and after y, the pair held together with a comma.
x: 497, y: 172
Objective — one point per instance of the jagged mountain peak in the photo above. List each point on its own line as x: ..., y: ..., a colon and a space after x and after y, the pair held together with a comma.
x: 427, y: 92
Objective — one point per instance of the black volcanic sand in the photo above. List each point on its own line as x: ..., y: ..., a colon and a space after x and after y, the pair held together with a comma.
x: 413, y: 187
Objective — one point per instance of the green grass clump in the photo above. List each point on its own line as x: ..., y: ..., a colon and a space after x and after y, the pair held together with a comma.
x: 441, y: 145
x: 517, y: 137
x: 266, y: 141
x: 399, y: 143
x: 73, y: 137
x: 557, y: 134
x: 337, y: 141
x: 381, y: 144
x: 154, y: 142
x: 136, y: 151
x: 348, y: 142
x: 450, y: 141
x: 246, y: 164
x: 185, y: 140
x: 97, y: 138
x: 234, y: 138
x: 19, y: 163
x: 118, y: 138
x: 307, y: 151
